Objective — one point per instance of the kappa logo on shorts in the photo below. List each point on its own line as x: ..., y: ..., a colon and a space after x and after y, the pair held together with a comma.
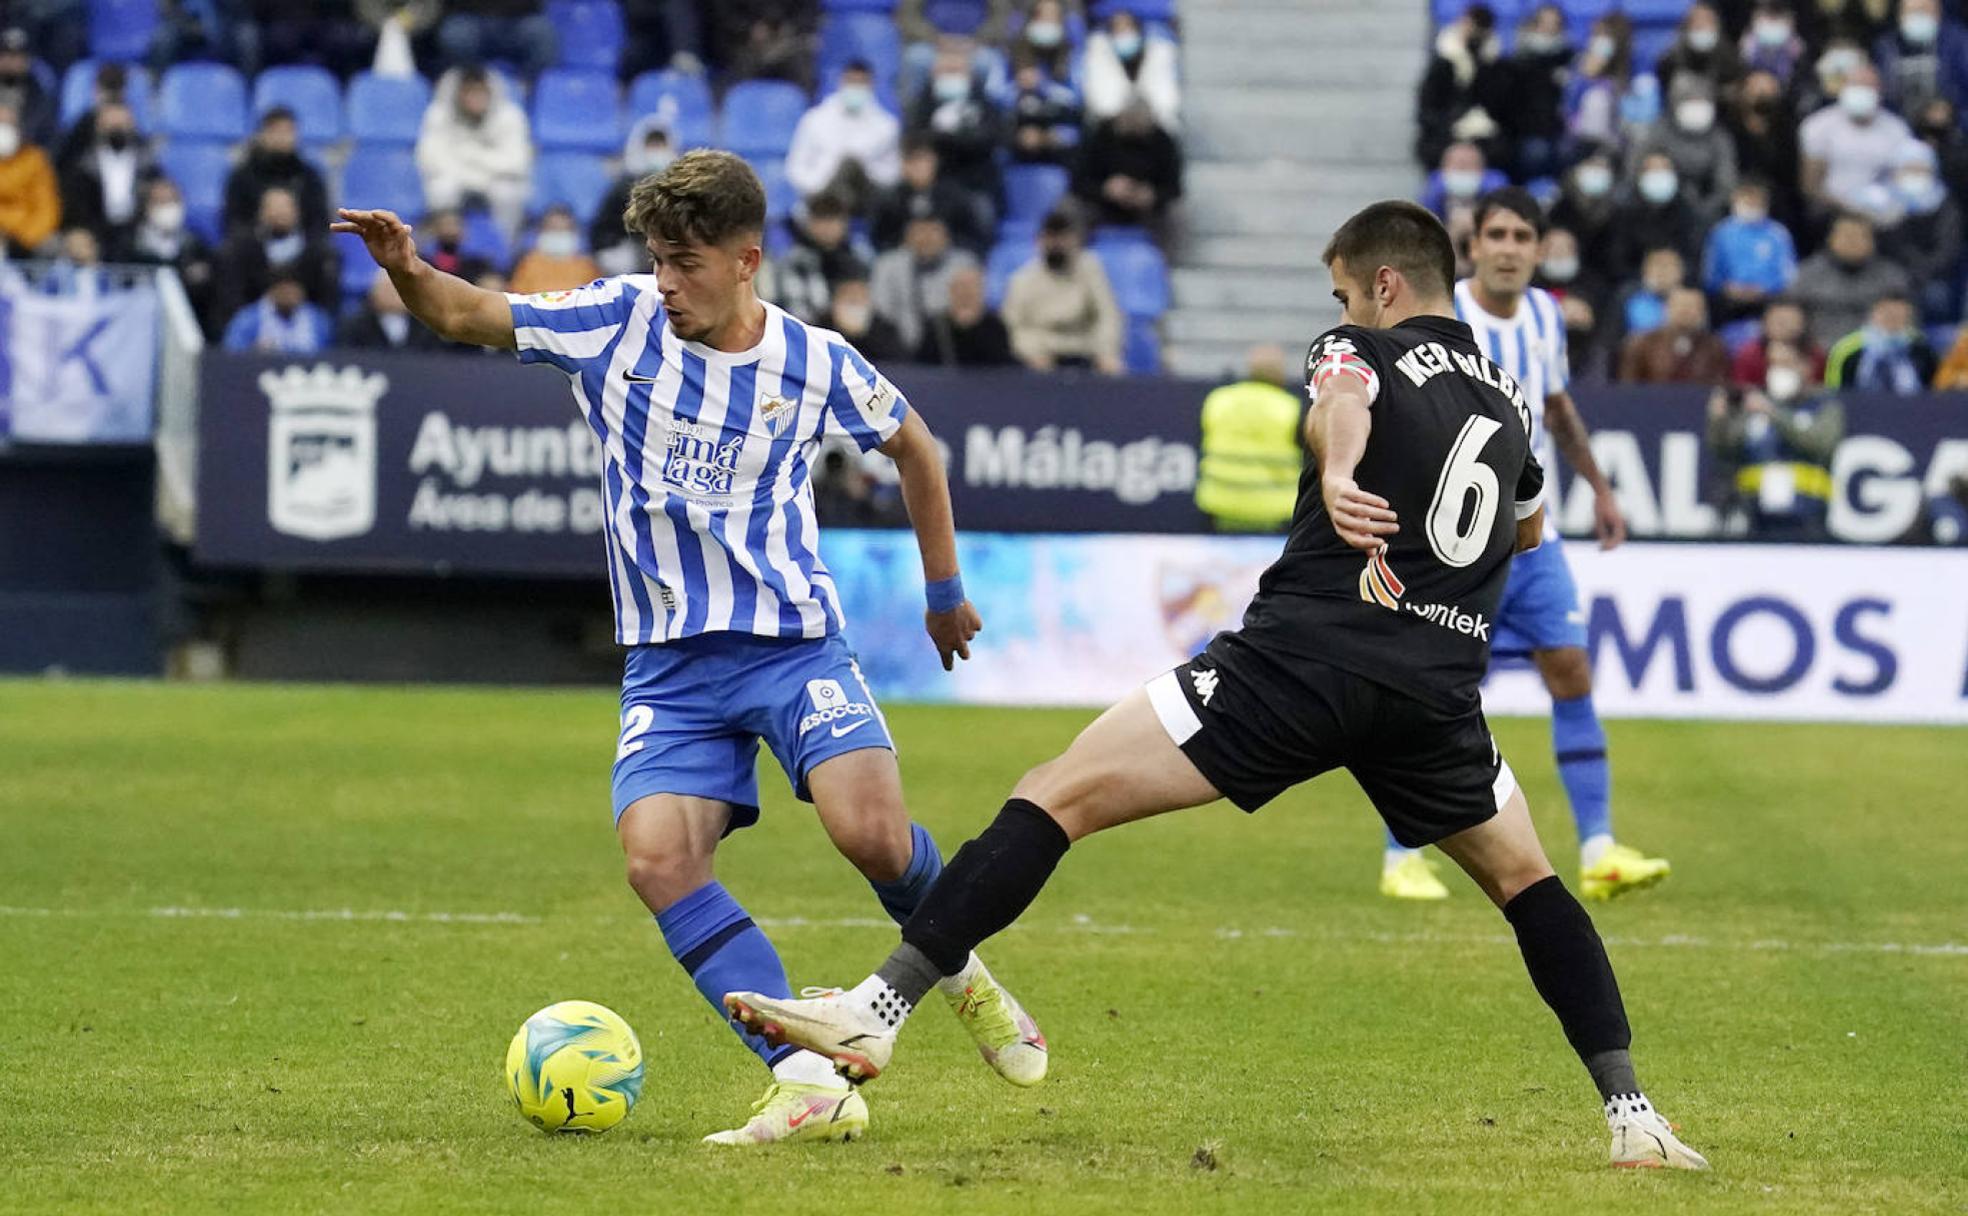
x: 1205, y: 682
x: 831, y: 704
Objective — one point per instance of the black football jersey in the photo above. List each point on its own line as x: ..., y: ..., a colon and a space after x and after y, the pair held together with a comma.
x: 1450, y: 451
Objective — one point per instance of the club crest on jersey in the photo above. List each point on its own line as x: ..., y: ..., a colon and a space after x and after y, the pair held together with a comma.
x: 321, y: 450
x: 700, y: 461
x: 777, y: 412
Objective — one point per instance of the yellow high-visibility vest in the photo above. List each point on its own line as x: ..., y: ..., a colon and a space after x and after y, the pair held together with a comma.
x: 1251, y: 456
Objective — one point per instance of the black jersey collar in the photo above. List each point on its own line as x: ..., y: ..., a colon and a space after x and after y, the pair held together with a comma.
x: 1446, y: 326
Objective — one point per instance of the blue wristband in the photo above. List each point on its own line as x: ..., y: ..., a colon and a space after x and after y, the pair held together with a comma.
x: 945, y: 594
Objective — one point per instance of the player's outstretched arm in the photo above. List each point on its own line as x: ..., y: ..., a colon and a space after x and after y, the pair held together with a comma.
x: 1336, y: 429
x: 453, y: 309
x: 950, y: 618
x: 1561, y: 418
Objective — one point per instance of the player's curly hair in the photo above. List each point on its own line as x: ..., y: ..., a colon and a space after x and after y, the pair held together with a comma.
x: 704, y: 197
x: 1399, y: 234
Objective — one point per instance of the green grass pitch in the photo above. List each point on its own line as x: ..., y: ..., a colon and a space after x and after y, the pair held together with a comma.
x: 262, y: 949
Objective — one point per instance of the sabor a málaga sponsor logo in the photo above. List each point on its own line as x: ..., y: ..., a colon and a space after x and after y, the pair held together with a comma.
x: 321, y: 450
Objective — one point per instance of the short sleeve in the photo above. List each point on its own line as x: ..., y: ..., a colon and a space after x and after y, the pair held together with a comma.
x: 1530, y: 487
x: 862, y: 404
x: 1341, y: 352
x: 568, y: 328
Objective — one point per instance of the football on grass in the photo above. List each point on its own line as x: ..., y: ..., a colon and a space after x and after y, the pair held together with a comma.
x: 574, y: 1066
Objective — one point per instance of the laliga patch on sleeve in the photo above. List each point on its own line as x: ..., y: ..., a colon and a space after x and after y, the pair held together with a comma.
x: 876, y: 402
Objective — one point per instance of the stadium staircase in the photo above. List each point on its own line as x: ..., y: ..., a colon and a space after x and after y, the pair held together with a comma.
x: 1296, y: 113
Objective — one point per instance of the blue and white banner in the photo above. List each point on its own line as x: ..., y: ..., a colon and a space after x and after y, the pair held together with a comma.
x: 78, y: 369
x: 1676, y: 631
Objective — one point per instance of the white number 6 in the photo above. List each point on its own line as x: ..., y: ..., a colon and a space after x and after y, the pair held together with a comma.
x: 636, y: 721
x: 1456, y: 544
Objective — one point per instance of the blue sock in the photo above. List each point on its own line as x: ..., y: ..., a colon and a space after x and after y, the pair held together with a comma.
x: 900, y: 897
x: 717, y: 943
x: 1580, y: 743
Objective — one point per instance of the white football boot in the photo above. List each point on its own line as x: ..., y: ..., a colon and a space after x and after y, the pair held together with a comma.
x: 1644, y: 1140
x: 854, y: 1036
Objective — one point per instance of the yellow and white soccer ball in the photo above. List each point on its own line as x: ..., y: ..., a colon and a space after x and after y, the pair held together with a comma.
x: 574, y: 1067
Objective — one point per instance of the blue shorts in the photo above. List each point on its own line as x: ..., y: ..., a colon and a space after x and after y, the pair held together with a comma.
x: 693, y: 712
x: 1540, y: 607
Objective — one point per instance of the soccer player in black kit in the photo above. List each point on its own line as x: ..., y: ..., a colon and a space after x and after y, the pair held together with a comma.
x: 1363, y: 649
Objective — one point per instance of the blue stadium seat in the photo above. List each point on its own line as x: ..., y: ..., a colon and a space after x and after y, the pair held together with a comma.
x: 858, y: 6
x: 484, y: 237
x: 1580, y: 14
x: 202, y: 101
x: 1031, y: 190
x: 200, y: 168
x: 845, y: 37
x: 590, y: 33
x: 1139, y: 276
x: 956, y: 16
x: 1655, y: 12
x: 1649, y: 45
x: 1141, y: 347
x: 78, y: 94
x: 383, y: 176
x: 684, y: 99
x: 780, y: 197
x: 358, y: 269
x: 120, y: 30
x: 759, y: 117
x: 387, y: 109
x: 577, y: 108
x: 312, y: 93
x: 1145, y: 10
x: 579, y: 179
x: 1004, y: 261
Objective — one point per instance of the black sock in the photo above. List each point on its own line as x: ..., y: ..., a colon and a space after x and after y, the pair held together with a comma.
x: 986, y: 885
x: 1568, y: 964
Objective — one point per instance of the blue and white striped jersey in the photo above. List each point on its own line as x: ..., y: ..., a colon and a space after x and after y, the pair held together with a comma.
x: 1530, y: 346
x: 705, y: 467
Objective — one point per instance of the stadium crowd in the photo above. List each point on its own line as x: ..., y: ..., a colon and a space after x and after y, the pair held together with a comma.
x: 1738, y: 192
x: 966, y: 182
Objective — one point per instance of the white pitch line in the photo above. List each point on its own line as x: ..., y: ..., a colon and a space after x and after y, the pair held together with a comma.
x: 1079, y: 924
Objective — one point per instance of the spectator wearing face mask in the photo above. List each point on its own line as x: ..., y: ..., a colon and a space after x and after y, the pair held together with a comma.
x: 248, y: 258
x: 1043, y: 41
x: 1771, y: 446
x: 1598, y: 83
x: 924, y: 190
x: 852, y: 315
x: 102, y: 184
x: 1583, y: 297
x: 965, y: 127
x: 1888, y: 354
x: 847, y: 145
x: 1123, y: 65
x: 1643, y: 306
x: 1771, y: 43
x: 821, y: 258
x: 1749, y: 257
x: 1849, y: 146
x: 1700, y: 51
x: 476, y: 147
x: 1784, y: 324
x: 647, y: 150
x: 30, y: 203
x: 1464, y: 89
x: 911, y: 284
x: 1764, y: 130
x: 1703, y: 155
x: 281, y: 321
x: 1936, y: 126
x: 160, y: 238
x: 1130, y: 169
x: 34, y: 110
x: 441, y: 242
x: 1838, y: 283
x: 1836, y: 63
x: 1681, y: 351
x: 1060, y: 307
x: 1654, y: 215
x: 1045, y: 115
x: 110, y: 87
x: 1461, y: 179
x: 967, y: 333
x: 1920, y: 228
x: 556, y: 262
x: 1539, y: 64
x: 1923, y: 57
x: 273, y: 159
x: 383, y: 323
x: 1586, y: 208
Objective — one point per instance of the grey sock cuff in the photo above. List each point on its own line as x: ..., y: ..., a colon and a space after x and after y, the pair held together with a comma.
x: 1612, y: 1072
x: 909, y: 971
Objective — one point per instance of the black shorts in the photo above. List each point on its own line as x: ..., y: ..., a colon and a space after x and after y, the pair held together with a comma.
x: 1256, y: 723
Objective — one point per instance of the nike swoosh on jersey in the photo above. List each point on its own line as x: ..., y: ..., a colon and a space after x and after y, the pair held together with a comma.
x: 632, y: 378
x: 838, y: 731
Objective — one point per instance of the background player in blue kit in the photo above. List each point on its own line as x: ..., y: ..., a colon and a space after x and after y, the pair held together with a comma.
x: 1520, y: 328
x: 708, y: 404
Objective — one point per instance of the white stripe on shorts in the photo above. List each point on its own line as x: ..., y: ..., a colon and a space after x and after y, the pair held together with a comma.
x: 1505, y: 784
x: 1178, y: 719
